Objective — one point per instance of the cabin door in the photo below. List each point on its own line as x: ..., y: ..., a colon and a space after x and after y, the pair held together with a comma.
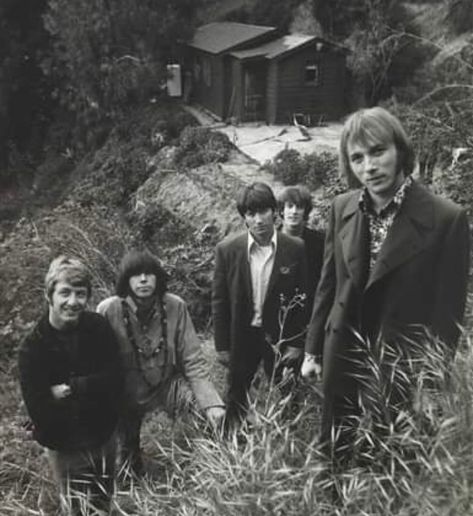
x: 255, y: 92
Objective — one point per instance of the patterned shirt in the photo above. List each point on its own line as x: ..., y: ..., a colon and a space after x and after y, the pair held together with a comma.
x: 379, y: 223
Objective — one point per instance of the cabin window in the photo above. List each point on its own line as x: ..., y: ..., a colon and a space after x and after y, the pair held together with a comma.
x: 311, y: 74
x: 207, y: 72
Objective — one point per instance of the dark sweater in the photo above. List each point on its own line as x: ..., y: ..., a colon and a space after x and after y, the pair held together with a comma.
x: 85, y: 358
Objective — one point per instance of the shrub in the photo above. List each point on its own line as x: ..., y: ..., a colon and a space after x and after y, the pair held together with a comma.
x: 312, y: 170
x: 199, y: 146
x: 286, y: 167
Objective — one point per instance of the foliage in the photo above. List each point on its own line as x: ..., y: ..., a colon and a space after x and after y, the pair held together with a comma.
x: 437, y: 111
x: 422, y: 465
x: 460, y: 15
x: 313, y: 170
x: 384, y: 52
x: 274, y: 13
x: 111, y: 53
x: 24, y: 103
x: 122, y: 164
x: 199, y: 146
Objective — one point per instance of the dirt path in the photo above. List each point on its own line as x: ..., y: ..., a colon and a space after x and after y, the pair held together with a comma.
x: 261, y: 142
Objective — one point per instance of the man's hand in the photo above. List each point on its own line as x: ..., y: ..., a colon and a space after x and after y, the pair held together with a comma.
x: 215, y: 416
x: 60, y: 391
x: 291, y: 354
x: 223, y: 357
x: 311, y: 368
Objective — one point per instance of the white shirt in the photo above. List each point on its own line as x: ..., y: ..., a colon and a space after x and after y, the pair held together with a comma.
x: 261, y: 259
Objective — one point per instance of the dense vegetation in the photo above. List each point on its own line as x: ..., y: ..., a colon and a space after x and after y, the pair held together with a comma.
x: 87, y: 141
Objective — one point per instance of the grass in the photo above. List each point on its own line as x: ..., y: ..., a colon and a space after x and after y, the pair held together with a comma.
x: 276, y: 467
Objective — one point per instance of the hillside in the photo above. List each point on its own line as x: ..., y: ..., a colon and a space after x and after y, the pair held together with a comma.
x: 155, y: 180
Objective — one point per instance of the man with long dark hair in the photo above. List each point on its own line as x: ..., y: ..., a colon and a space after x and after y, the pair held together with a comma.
x: 163, y: 360
x: 295, y: 205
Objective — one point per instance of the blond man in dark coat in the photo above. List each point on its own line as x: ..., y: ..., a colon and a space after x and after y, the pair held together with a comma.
x: 396, y: 261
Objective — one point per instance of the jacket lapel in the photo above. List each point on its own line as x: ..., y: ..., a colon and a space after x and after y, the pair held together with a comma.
x: 245, y: 267
x: 408, y: 234
x: 276, y: 266
x: 355, y: 241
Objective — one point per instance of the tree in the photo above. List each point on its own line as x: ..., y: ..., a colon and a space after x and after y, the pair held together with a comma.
x: 277, y: 13
x: 376, y: 32
x: 108, y: 54
x: 23, y: 89
x: 460, y: 15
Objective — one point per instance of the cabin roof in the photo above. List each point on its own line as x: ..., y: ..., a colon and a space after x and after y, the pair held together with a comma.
x: 221, y: 36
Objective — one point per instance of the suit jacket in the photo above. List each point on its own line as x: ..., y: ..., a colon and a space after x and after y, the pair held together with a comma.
x: 420, y: 278
x: 232, y: 302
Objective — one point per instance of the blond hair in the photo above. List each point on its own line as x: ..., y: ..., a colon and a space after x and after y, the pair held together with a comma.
x: 64, y: 268
x: 374, y: 124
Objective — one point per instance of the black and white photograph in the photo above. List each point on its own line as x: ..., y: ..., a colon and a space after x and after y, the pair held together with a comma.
x: 235, y: 258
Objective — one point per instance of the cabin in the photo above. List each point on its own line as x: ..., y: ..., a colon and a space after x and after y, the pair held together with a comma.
x: 252, y: 73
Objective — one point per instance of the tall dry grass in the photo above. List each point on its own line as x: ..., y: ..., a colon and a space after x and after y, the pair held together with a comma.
x: 421, y: 463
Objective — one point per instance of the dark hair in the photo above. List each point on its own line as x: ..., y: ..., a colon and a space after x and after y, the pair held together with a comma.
x: 255, y: 197
x: 66, y: 268
x: 298, y: 195
x: 380, y: 125
x: 137, y: 262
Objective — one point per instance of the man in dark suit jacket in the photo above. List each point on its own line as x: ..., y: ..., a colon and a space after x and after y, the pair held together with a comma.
x: 396, y: 260
x: 258, y: 297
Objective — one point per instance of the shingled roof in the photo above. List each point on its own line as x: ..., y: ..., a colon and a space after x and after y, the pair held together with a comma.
x: 277, y: 47
x: 221, y: 36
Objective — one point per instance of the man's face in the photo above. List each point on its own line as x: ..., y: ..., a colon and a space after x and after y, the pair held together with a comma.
x: 66, y: 304
x: 143, y: 285
x: 260, y: 224
x: 375, y: 165
x: 293, y: 215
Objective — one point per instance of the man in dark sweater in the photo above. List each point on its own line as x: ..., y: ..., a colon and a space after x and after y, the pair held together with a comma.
x: 70, y: 378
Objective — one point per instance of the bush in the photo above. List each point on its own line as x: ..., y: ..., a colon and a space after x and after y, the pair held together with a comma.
x: 312, y: 170
x: 200, y: 146
x: 106, y: 56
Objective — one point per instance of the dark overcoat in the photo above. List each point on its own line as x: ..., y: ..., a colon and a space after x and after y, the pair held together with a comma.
x: 419, y: 278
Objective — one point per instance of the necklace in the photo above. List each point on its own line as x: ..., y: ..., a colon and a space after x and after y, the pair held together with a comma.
x: 140, y: 353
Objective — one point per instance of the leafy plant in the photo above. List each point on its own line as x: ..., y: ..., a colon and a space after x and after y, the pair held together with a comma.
x: 313, y: 170
x: 109, y: 54
x: 199, y: 146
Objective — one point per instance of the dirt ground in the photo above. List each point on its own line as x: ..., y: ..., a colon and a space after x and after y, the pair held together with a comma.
x: 262, y: 142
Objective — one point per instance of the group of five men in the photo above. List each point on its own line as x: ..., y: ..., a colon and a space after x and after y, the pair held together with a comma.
x: 395, y: 257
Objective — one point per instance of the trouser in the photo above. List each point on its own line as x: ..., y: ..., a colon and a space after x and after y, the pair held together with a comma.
x: 86, y: 479
x: 243, y: 368
x: 174, y: 396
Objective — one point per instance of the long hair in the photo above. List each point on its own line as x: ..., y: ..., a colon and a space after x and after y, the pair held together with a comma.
x: 374, y: 124
x: 138, y: 262
x: 298, y: 195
